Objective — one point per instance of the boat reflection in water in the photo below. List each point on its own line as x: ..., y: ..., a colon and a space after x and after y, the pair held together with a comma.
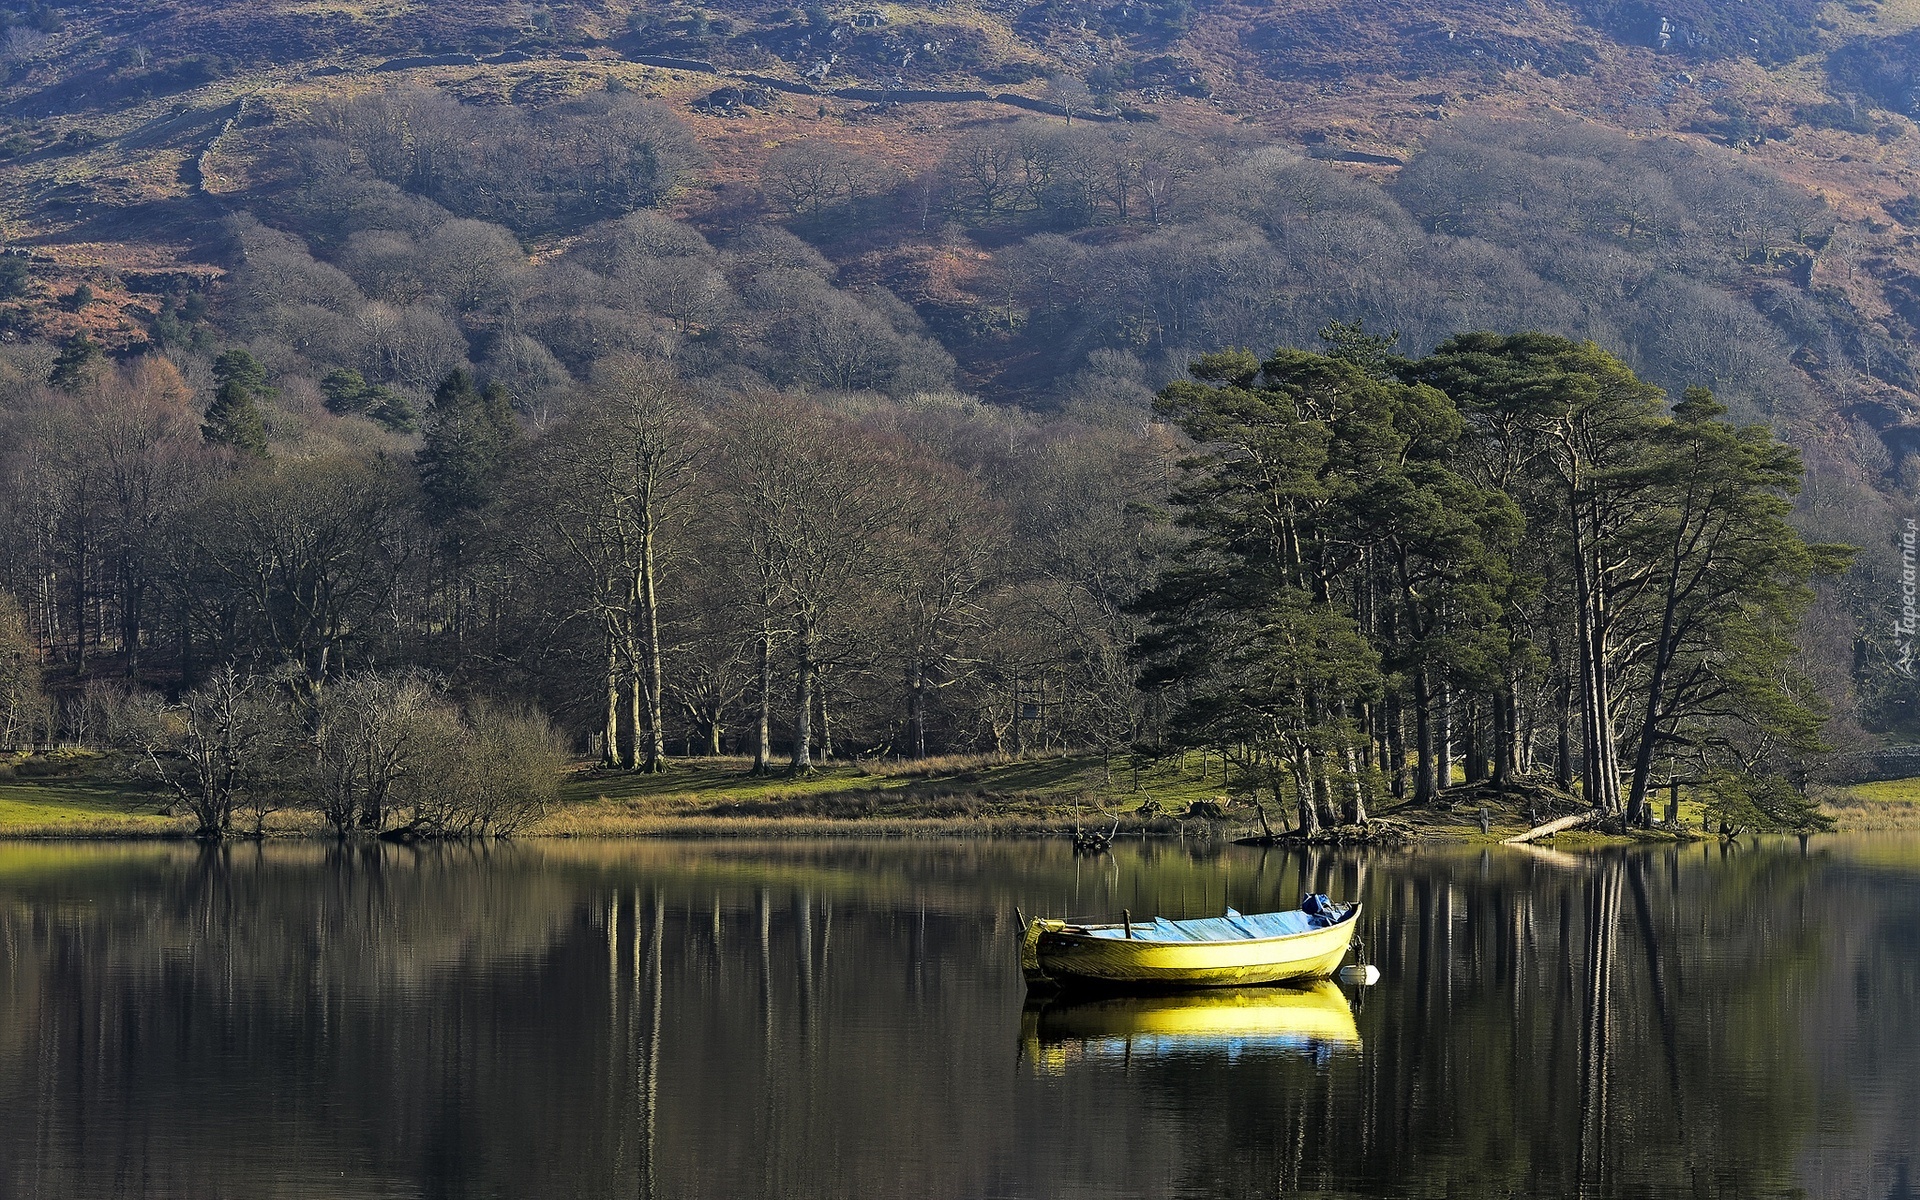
x: 1313, y: 1021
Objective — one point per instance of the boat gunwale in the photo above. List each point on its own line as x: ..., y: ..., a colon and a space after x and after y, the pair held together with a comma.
x: 1079, y: 933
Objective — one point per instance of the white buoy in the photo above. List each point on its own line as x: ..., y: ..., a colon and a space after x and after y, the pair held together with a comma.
x: 1360, y: 976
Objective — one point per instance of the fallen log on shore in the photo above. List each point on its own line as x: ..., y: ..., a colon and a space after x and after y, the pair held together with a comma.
x: 1576, y: 821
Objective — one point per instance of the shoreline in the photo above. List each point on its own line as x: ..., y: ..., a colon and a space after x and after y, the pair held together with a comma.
x: 1437, y: 827
x: 84, y: 796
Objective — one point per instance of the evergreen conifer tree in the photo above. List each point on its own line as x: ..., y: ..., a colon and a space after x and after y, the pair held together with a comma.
x: 233, y: 419
x: 466, y: 437
x: 467, y: 434
x: 79, y: 359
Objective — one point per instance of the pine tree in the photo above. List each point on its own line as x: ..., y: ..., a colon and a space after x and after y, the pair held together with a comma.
x: 467, y: 435
x: 1563, y: 428
x: 234, y: 420
x: 345, y: 390
x: 1371, y: 352
x: 79, y: 361
x: 464, y: 446
x: 1729, y: 584
x: 348, y: 394
x: 238, y: 366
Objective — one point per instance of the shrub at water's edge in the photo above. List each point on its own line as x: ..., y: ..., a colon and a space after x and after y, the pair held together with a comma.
x: 387, y: 755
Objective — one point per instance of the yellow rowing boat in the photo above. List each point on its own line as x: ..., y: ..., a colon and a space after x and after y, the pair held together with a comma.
x: 1229, y: 951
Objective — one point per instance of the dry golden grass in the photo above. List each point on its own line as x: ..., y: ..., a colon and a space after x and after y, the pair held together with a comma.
x: 965, y: 795
x: 1888, y: 806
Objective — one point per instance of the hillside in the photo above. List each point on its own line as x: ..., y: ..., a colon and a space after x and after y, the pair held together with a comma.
x: 1052, y: 204
x: 114, y: 111
x: 128, y: 128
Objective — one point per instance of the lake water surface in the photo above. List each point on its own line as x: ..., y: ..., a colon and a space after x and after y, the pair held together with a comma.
x: 730, y: 1019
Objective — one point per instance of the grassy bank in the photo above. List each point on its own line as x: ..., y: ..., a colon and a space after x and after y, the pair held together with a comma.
x: 1891, y: 806
x: 78, y: 794
x: 74, y: 794
x: 944, y: 796
x: 84, y: 794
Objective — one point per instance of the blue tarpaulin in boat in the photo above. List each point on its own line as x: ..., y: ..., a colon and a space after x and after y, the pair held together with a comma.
x: 1234, y: 927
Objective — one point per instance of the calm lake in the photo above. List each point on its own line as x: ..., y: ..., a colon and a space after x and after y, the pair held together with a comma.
x: 729, y: 1019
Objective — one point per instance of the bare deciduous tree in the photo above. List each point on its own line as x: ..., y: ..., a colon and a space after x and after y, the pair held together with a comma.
x: 218, y: 749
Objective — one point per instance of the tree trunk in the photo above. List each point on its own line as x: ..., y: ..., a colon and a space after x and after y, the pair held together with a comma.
x: 610, y: 748
x: 630, y: 751
x: 1506, y: 740
x: 1558, y: 825
x: 1357, y: 799
x: 80, y: 597
x: 1602, y: 763
x: 1397, y: 748
x: 803, y: 703
x: 826, y: 721
x: 186, y: 647
x: 1443, y: 738
x: 1638, y: 810
x: 1563, y: 746
x: 654, y: 676
x: 1425, y: 789
x: 1020, y: 729
x: 132, y: 595
x: 1473, y: 742
x: 763, y: 735
x: 1309, y: 813
x: 917, y: 710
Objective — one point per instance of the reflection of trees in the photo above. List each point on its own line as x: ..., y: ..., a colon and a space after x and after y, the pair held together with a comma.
x: 1593, y: 1028
x: 197, y: 1006
x: 1863, y: 1012
x: 817, y: 1019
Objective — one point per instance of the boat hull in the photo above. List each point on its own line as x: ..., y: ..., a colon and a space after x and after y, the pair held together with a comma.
x: 1067, y: 958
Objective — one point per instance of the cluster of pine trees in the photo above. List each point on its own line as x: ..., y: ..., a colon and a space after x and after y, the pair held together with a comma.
x: 1510, y: 549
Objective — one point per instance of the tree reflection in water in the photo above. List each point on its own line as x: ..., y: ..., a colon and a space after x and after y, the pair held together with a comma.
x: 688, y: 1019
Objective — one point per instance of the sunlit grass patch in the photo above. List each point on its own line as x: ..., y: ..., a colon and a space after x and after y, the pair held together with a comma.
x: 1888, y: 805
x: 77, y: 793
x: 991, y: 795
x: 77, y: 809
x: 1886, y: 791
x: 1065, y: 779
